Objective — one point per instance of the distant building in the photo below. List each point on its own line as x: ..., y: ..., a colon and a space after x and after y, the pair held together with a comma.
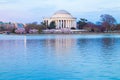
x: 12, y: 27
x: 7, y: 25
x: 62, y: 19
x: 20, y: 28
x: 19, y: 25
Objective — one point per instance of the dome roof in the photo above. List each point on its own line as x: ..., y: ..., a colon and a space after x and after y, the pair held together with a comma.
x: 62, y: 13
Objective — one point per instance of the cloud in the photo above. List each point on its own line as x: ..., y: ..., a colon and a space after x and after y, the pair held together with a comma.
x: 36, y: 9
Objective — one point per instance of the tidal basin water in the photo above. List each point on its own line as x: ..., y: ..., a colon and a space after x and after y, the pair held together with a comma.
x: 60, y: 57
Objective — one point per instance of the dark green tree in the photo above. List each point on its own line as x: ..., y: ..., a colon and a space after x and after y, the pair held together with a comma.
x: 52, y: 25
x: 81, y: 23
x: 44, y: 25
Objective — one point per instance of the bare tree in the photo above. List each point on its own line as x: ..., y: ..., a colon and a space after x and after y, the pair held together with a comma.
x: 108, y: 22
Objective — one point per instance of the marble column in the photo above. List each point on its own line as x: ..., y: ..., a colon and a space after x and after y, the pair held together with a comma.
x: 70, y: 23
x: 75, y: 25
x: 67, y: 23
x: 60, y: 24
x: 63, y: 23
x: 57, y: 24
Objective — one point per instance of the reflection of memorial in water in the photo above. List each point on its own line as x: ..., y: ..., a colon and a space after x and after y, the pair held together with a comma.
x: 61, y: 44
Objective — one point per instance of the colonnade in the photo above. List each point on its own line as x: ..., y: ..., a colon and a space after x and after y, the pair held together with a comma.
x: 62, y: 23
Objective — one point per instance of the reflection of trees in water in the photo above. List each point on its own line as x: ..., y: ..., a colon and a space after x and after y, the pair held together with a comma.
x: 108, y: 45
x: 108, y: 42
x: 82, y: 42
x: 99, y: 47
x: 108, y: 49
x: 87, y: 48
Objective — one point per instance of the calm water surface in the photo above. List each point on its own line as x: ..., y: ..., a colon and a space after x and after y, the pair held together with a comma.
x: 60, y: 57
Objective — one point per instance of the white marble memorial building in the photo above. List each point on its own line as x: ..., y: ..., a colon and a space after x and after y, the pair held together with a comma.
x: 62, y: 19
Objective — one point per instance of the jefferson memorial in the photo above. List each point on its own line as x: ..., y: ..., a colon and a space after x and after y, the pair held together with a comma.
x: 62, y: 19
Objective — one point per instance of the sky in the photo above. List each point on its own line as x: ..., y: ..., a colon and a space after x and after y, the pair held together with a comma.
x: 27, y: 11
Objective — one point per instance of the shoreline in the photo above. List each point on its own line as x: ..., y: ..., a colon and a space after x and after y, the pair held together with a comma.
x: 83, y: 33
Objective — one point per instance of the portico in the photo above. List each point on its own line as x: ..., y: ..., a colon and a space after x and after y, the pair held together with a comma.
x: 62, y: 19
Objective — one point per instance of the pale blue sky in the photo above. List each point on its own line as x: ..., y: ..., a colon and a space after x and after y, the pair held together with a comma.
x: 34, y: 10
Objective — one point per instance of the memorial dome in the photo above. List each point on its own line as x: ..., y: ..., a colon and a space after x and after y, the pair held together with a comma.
x: 62, y: 13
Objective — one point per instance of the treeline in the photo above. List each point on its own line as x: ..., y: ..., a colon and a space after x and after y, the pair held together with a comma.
x: 107, y: 23
x: 35, y: 28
